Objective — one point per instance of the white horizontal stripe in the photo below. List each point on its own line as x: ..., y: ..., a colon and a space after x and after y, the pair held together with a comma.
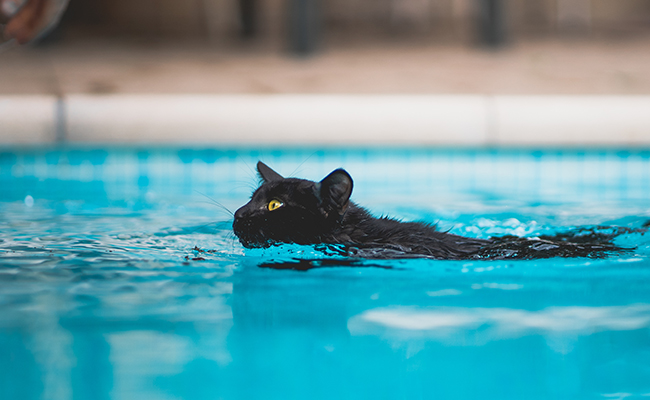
x: 366, y: 120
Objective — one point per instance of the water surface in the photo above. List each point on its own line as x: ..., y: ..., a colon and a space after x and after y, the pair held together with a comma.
x: 119, y: 279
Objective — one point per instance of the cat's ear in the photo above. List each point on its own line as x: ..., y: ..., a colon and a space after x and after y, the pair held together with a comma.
x: 266, y: 173
x: 335, y: 190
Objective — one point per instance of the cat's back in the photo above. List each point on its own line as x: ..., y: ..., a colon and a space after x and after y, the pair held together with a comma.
x: 410, y: 237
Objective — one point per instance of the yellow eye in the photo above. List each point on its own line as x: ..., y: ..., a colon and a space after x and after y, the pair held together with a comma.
x: 274, y: 204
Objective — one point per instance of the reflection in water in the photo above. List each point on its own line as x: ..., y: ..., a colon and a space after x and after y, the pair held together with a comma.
x: 456, y: 325
x: 298, y: 264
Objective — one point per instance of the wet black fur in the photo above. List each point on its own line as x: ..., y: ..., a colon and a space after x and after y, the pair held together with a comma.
x: 321, y: 213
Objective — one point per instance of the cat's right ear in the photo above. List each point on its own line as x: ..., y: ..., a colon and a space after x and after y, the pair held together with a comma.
x: 266, y: 173
x: 334, y: 191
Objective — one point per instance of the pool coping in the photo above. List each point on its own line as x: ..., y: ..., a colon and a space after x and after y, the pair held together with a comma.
x: 328, y: 120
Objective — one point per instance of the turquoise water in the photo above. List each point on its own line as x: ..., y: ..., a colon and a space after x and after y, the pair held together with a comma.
x: 119, y: 279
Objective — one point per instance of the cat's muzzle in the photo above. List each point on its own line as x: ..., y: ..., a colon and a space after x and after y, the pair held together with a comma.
x: 245, y: 231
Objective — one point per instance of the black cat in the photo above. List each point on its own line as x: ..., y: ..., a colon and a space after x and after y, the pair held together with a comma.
x: 291, y: 210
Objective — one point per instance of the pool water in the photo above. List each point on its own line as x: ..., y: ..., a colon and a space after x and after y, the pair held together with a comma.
x: 121, y: 279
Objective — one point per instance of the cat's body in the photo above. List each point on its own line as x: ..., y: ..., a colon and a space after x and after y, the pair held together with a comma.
x: 290, y: 210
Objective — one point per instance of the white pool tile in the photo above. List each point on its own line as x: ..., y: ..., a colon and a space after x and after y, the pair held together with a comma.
x: 281, y: 119
x: 28, y: 119
x: 572, y: 120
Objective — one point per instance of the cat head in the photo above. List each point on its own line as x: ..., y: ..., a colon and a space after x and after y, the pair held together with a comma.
x: 291, y: 210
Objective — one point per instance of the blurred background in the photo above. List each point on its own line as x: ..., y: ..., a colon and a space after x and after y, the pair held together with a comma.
x: 472, y: 50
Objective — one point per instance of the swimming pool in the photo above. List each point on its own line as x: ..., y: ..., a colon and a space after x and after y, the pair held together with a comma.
x: 120, y: 279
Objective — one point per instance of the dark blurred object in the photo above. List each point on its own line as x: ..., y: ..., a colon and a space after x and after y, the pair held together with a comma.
x: 492, y: 31
x: 248, y: 15
x: 304, y: 26
x: 86, y: 13
x: 9, y: 8
x: 30, y: 19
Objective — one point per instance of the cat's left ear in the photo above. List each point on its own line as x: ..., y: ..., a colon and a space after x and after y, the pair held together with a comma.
x: 266, y: 173
x: 335, y: 190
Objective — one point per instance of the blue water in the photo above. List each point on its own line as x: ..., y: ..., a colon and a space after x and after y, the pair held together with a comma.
x: 103, y: 295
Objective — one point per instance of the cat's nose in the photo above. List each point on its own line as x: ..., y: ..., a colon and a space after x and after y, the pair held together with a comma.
x: 239, y: 213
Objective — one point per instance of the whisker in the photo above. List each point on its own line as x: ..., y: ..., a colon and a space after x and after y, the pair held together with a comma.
x: 203, y: 226
x: 301, y: 164
x: 238, y: 188
x: 244, y: 184
x: 216, y: 203
x: 233, y: 239
x: 254, y: 174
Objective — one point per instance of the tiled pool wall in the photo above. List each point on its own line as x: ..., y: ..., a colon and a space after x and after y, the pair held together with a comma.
x: 117, y: 173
